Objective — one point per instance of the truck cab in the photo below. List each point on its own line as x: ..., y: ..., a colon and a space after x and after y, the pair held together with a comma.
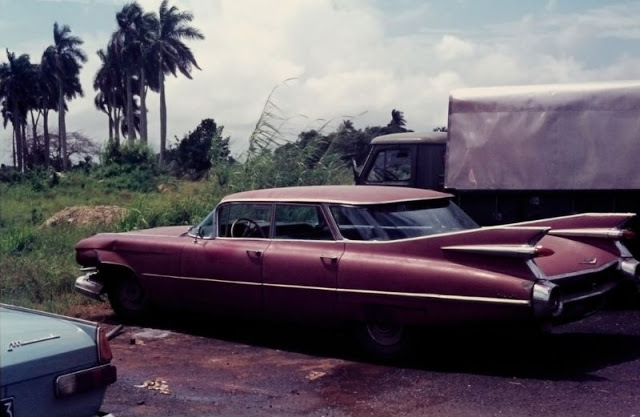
x: 406, y: 159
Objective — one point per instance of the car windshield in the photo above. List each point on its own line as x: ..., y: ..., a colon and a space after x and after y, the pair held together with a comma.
x: 400, y: 220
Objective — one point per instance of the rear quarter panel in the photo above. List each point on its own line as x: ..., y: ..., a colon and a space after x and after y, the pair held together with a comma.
x: 415, y: 281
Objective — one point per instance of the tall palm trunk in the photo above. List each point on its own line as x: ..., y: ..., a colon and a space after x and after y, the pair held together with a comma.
x: 18, y: 133
x: 26, y: 158
x: 13, y: 143
x: 110, y: 125
x: 36, y: 142
x: 62, y: 128
x: 131, y: 133
x: 116, y: 127
x: 143, y: 106
x: 47, y: 138
x: 163, y: 118
x: 115, y: 111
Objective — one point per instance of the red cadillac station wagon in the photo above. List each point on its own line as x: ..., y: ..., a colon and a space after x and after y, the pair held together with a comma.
x: 383, y: 258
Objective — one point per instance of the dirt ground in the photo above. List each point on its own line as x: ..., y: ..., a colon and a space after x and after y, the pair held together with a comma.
x: 215, y: 367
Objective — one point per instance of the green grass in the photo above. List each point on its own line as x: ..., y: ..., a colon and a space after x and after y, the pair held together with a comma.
x: 37, y: 264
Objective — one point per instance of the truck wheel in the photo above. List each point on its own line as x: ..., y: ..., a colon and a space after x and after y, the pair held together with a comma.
x: 383, y: 341
x: 128, y: 299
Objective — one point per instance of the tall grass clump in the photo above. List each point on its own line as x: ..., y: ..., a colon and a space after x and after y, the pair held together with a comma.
x: 275, y: 159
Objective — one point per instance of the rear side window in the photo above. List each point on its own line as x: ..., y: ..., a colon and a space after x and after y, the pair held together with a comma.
x: 301, y: 222
x: 400, y: 220
x: 391, y: 165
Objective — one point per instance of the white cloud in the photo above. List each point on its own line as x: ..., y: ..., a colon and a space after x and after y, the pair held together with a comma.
x: 452, y: 47
x: 351, y: 59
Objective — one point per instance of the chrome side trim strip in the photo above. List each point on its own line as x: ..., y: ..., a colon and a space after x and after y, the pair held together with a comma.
x: 437, y: 296
x: 360, y: 291
x: 220, y: 281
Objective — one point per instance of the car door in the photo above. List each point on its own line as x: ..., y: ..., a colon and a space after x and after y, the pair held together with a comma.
x: 300, y: 266
x: 223, y: 273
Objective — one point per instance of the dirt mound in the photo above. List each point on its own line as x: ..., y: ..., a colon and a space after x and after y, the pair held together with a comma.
x: 83, y: 215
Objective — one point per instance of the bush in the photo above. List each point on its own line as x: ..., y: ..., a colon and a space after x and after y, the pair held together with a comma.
x: 9, y: 175
x: 129, y: 167
x: 198, y: 151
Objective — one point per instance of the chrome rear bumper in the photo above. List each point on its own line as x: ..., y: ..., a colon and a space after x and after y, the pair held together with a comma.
x: 630, y: 268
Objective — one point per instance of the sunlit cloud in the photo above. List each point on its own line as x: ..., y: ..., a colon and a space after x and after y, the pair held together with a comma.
x: 357, y: 59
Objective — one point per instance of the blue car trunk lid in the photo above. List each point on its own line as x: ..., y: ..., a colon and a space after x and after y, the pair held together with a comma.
x: 34, y: 345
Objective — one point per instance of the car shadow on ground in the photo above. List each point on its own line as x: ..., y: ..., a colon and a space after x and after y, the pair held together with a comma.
x: 575, y: 354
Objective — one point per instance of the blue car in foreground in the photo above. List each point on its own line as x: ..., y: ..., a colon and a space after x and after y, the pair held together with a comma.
x: 51, y: 365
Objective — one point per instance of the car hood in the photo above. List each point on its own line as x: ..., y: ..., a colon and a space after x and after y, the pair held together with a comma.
x: 167, y: 231
x: 34, y: 344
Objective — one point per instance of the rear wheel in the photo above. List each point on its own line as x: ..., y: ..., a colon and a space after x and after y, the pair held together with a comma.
x: 128, y: 298
x: 384, y: 341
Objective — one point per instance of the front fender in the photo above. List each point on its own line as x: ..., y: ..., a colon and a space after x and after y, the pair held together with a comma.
x: 112, y: 258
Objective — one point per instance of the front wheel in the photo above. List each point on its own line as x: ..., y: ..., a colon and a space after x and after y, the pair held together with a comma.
x: 128, y: 299
x: 384, y: 341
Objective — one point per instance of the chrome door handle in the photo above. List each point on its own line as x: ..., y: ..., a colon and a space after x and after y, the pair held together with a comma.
x: 331, y: 259
x: 254, y: 253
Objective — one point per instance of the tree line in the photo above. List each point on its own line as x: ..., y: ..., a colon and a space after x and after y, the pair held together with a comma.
x: 144, y: 48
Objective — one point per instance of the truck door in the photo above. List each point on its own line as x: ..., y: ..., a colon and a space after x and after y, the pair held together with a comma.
x: 430, y: 167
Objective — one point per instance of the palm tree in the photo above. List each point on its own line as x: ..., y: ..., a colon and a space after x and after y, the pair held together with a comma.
x: 48, y: 101
x: 64, y: 59
x: 172, y: 55
x: 108, y: 81
x: 14, y: 80
x: 131, y: 41
x: 35, y: 98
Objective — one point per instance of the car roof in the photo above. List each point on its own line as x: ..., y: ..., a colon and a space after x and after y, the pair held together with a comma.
x: 410, y: 137
x: 340, y: 194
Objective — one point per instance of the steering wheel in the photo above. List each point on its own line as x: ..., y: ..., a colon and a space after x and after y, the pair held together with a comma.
x: 249, y: 230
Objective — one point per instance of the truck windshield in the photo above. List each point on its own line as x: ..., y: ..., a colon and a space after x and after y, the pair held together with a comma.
x: 400, y: 220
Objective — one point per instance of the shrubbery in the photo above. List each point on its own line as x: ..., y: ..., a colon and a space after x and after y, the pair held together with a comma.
x: 198, y: 151
x: 128, y: 167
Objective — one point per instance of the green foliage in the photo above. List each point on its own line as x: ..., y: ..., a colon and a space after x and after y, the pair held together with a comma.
x: 16, y: 241
x: 9, y: 175
x: 128, y: 167
x: 184, y: 211
x: 199, y: 151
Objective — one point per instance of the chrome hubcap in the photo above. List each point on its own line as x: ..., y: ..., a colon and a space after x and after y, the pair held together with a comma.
x: 385, y: 334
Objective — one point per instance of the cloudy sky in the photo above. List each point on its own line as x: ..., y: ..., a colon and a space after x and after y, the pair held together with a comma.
x: 345, y: 58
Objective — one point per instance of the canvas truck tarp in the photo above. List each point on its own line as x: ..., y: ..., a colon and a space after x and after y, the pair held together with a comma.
x: 547, y: 137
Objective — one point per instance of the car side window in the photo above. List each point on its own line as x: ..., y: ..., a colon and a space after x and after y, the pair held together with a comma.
x: 244, y: 220
x: 299, y: 221
x: 391, y: 165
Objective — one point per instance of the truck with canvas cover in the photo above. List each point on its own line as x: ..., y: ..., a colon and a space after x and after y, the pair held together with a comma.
x: 521, y: 153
